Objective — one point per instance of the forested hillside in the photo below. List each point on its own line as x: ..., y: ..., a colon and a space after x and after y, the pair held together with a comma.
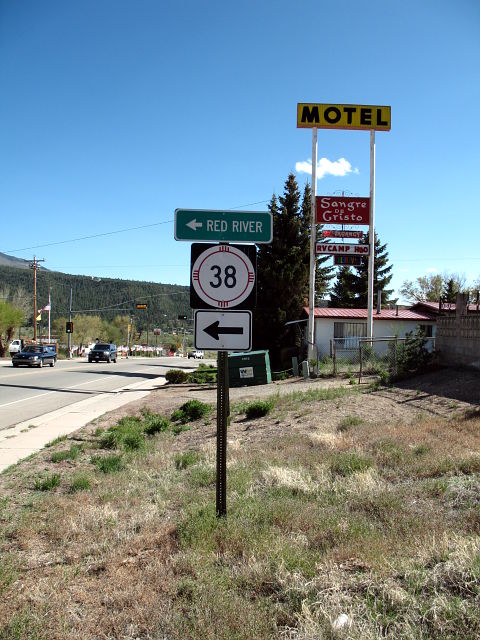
x: 105, y: 297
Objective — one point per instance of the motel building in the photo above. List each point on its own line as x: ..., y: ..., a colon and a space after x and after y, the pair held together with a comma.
x: 347, y: 326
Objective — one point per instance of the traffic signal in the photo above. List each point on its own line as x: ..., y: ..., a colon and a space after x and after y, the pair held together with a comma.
x: 69, y: 327
x: 185, y: 317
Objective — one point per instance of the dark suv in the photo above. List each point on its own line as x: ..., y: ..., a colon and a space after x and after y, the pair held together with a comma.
x: 103, y: 351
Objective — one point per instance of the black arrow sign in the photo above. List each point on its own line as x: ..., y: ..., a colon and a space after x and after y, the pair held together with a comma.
x: 214, y: 330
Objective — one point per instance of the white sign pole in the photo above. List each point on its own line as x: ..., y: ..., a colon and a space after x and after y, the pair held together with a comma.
x: 371, y: 233
x: 313, y: 239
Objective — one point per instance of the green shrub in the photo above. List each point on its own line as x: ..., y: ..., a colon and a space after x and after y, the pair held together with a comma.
x: 176, y: 376
x: 258, y: 409
x: 155, y: 423
x: 190, y: 411
x: 47, y: 483
x: 127, y: 434
x: 80, y: 483
x: 108, y: 464
x: 179, y: 428
x: 203, y: 374
x: 346, y: 464
x: 413, y: 355
x: 187, y: 459
x: 67, y: 454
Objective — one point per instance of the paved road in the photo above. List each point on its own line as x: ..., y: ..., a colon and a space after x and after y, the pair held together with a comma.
x: 28, y: 393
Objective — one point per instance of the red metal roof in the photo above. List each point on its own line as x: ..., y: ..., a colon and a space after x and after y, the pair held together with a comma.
x: 362, y: 314
x: 447, y: 307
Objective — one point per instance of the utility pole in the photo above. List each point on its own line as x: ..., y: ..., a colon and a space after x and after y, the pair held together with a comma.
x: 70, y: 320
x: 34, y: 266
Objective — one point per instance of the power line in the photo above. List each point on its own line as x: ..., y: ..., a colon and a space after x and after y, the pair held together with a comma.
x: 111, y: 233
x: 96, y: 235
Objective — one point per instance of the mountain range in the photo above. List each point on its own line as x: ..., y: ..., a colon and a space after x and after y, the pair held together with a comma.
x: 105, y: 297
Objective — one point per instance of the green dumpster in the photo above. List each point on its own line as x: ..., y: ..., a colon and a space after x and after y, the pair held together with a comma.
x: 249, y: 368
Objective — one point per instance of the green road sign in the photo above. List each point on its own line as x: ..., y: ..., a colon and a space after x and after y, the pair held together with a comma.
x: 199, y: 225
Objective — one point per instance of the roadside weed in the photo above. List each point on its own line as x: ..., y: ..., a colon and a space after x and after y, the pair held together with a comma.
x: 187, y: 459
x: 52, y: 443
x: 350, y: 421
x: 79, y: 483
x: 190, y: 411
x: 67, y: 454
x: 47, y: 483
x: 108, y: 464
x: 155, y: 423
x: 259, y: 408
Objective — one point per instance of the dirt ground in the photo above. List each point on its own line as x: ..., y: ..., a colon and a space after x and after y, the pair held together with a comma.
x: 443, y: 393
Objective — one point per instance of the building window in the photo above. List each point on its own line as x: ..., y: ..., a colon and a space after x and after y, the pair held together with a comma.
x: 427, y: 329
x: 347, y: 334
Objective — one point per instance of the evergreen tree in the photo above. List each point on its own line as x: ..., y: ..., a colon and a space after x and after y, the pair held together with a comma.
x: 343, y: 294
x: 282, y: 269
x: 351, y: 289
x: 324, y: 272
x: 381, y: 275
x: 450, y: 290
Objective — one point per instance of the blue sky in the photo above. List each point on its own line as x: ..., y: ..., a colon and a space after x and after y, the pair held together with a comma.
x: 114, y: 113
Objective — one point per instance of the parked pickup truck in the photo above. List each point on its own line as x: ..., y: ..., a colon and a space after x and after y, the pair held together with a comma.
x: 197, y: 355
x: 15, y: 346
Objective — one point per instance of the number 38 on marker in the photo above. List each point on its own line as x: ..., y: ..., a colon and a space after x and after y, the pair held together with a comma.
x: 223, y: 276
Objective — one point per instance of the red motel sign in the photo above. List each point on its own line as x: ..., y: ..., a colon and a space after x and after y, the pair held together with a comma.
x: 342, y: 210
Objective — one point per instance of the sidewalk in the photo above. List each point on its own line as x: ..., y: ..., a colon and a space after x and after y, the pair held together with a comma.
x: 25, y: 438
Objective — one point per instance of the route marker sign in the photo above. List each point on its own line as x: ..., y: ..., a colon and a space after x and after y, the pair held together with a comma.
x: 222, y: 276
x: 201, y: 225
x: 223, y: 330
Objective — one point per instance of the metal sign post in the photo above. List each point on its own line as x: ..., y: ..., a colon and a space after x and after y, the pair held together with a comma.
x: 223, y: 405
x: 371, y: 236
x: 313, y: 257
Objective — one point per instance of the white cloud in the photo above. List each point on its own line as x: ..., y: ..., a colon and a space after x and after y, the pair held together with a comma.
x: 432, y: 270
x: 326, y: 167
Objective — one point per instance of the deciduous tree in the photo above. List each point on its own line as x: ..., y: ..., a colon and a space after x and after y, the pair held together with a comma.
x: 11, y: 318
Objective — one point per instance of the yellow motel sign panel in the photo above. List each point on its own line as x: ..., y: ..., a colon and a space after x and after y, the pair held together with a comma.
x: 343, y: 116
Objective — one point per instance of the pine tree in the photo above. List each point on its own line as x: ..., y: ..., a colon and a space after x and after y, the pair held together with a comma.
x: 381, y: 275
x: 342, y: 294
x: 324, y: 273
x: 450, y: 290
x: 282, y: 270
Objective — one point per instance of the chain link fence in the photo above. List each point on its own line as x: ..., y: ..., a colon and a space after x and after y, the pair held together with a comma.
x: 371, y: 356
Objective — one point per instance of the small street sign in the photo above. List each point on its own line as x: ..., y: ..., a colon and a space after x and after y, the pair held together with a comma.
x: 331, y: 248
x: 223, y: 276
x: 347, y: 260
x: 141, y: 306
x: 342, y: 210
x: 334, y: 233
x: 223, y: 226
x: 223, y: 330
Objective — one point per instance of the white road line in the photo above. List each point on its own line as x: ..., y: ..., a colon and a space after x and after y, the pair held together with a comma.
x: 40, y: 395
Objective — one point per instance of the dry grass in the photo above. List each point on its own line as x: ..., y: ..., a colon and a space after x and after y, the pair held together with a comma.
x: 367, y: 531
